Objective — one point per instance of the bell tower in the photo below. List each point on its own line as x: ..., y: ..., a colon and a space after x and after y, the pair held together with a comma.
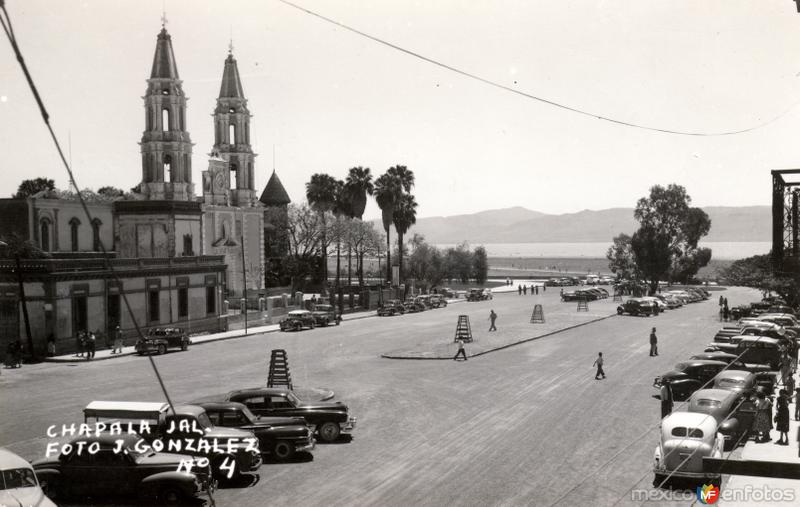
x: 232, y: 135
x: 166, y: 146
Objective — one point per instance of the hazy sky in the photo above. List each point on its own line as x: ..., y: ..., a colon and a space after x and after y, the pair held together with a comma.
x: 328, y: 99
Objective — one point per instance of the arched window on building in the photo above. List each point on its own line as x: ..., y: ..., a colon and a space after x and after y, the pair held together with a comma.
x: 231, y: 134
x: 44, y: 234
x: 234, y: 175
x: 74, y: 223
x: 168, y: 167
x: 96, y: 223
x: 165, y: 120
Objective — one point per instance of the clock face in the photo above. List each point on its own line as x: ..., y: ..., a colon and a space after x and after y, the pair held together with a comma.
x: 219, y: 181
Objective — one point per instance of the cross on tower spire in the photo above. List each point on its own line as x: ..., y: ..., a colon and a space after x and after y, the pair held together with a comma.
x: 164, y: 20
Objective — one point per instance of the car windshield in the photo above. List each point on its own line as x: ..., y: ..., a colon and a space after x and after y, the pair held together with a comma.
x: 681, y: 366
x: 731, y: 382
x: 18, y: 478
x: 704, y: 403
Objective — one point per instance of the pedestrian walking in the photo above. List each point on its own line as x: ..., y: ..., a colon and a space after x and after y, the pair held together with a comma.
x: 653, y: 343
x: 117, y: 341
x: 763, y: 421
x: 544, y: 287
x: 51, y: 345
x: 721, y: 301
x: 91, y: 346
x: 525, y: 290
x: 461, y: 352
x: 492, y: 318
x: 789, y: 386
x: 519, y: 289
x: 14, y: 352
x: 725, y: 313
x: 725, y: 302
x: 655, y: 309
x: 79, y: 344
x: 561, y: 293
x: 666, y: 399
x: 599, y: 363
x: 782, y: 417
x: 721, y: 313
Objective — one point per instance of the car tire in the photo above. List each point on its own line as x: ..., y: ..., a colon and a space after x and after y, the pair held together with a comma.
x: 328, y: 431
x: 283, y: 450
x: 170, y: 495
x: 162, y: 349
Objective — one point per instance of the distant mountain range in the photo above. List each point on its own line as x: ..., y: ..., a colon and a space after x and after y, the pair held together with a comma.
x: 521, y: 225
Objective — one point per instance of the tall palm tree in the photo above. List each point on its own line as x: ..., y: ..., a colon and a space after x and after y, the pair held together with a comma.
x: 404, y: 176
x: 387, y: 192
x: 359, y: 185
x: 405, y: 215
x: 321, y: 196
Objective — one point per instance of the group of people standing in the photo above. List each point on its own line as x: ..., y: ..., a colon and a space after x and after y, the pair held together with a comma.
x: 523, y: 289
x: 724, y: 310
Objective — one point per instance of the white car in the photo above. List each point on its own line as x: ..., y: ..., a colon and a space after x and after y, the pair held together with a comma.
x: 686, y: 438
x: 18, y: 482
x: 661, y: 304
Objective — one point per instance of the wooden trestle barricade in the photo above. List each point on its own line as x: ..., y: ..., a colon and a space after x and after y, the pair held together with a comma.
x: 463, y: 330
x: 537, y: 317
x: 279, y: 374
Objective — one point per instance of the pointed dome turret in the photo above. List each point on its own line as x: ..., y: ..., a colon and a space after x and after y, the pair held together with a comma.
x: 274, y: 194
x: 231, y: 84
x: 164, y: 65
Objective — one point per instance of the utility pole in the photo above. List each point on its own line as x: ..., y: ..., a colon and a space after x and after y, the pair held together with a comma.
x: 25, y: 317
x: 244, y: 282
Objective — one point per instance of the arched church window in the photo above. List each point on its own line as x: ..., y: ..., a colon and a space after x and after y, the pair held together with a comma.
x: 234, y: 175
x: 74, y: 223
x: 232, y: 133
x: 96, y: 223
x: 165, y: 120
x: 44, y: 234
x: 168, y: 166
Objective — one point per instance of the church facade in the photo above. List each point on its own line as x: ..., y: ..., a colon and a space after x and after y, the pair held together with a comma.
x: 174, y: 256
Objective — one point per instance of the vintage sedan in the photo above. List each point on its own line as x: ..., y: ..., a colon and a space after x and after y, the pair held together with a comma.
x: 324, y: 315
x: 160, y: 339
x: 437, y: 301
x: 636, y: 306
x: 280, y: 436
x: 745, y: 382
x: 297, y: 320
x: 687, y: 438
x: 391, y: 307
x: 733, y: 411
x: 413, y: 305
x: 18, y: 482
x: 689, y: 376
x: 329, y: 419
x: 136, y: 470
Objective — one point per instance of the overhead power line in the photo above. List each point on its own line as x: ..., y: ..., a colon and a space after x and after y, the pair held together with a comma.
x: 535, y: 97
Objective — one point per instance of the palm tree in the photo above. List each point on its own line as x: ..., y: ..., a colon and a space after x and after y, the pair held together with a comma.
x: 405, y: 215
x: 321, y: 196
x: 387, y: 192
x: 404, y: 176
x: 359, y: 185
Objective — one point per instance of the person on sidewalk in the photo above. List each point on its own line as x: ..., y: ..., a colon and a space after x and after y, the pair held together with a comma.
x: 519, y: 289
x: 492, y: 318
x: 80, y: 343
x: 763, y: 421
x: 599, y: 363
x: 91, y: 346
x: 117, y: 341
x: 461, y: 352
x: 653, y: 343
x: 782, y: 417
x: 524, y: 290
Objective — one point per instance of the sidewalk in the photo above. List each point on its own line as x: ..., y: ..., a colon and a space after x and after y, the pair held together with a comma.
x: 769, y: 451
x: 104, y: 354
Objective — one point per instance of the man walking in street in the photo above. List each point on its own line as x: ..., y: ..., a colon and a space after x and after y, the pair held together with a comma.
x: 492, y: 318
x: 117, y: 341
x: 91, y: 346
x: 461, y: 351
x: 599, y: 363
x: 653, y: 343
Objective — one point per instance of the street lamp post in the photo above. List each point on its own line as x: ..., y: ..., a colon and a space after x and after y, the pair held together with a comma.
x: 31, y: 350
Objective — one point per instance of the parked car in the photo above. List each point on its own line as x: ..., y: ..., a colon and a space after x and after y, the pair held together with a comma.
x: 185, y: 430
x: 687, y: 438
x: 438, y: 301
x: 733, y: 411
x: 662, y: 305
x: 689, y: 376
x: 391, y: 307
x: 781, y: 309
x: 671, y: 300
x: 738, y: 381
x: 412, y: 305
x: 329, y: 419
x: 446, y: 292
x: 740, y: 311
x: 324, y: 315
x: 636, y: 306
x: 161, y: 339
x: 280, y: 436
x: 136, y: 471
x: 476, y: 294
x: 424, y: 300
x: 759, y: 349
x: 18, y: 482
x: 733, y: 361
x: 297, y: 320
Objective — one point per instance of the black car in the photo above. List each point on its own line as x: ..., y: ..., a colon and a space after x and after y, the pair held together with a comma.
x: 325, y: 315
x: 280, y: 436
x: 636, y: 306
x: 689, y: 376
x: 123, y: 465
x: 391, y: 307
x: 160, y: 339
x: 329, y: 419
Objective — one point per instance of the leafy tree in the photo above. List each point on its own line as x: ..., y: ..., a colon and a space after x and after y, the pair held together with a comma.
x: 480, y: 265
x: 111, y: 192
x: 458, y: 263
x: 30, y: 187
x: 652, y: 253
x: 620, y: 257
x: 685, y: 267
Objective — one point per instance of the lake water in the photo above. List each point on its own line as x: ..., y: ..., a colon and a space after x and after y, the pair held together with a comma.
x: 730, y: 250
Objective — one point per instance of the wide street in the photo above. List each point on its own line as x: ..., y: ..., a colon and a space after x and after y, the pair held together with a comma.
x: 520, y: 426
